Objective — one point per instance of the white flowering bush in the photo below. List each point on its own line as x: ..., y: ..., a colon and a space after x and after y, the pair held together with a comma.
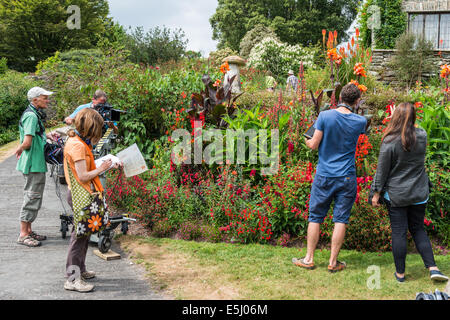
x: 278, y: 57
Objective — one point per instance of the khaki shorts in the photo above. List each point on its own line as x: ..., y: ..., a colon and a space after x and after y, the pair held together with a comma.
x: 32, y: 195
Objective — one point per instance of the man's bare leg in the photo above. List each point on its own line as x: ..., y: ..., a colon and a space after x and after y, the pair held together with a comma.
x: 337, y: 241
x: 313, y: 239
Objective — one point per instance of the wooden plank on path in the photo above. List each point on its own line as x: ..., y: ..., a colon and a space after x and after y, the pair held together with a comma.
x: 110, y: 255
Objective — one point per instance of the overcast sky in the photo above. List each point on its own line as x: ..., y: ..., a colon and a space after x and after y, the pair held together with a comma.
x: 190, y: 15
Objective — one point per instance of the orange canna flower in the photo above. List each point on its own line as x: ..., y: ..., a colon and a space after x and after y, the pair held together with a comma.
x: 357, y: 33
x: 359, y: 70
x: 95, y: 223
x: 445, y: 71
x: 224, y: 68
x: 353, y: 41
x: 324, y: 32
x: 362, y: 87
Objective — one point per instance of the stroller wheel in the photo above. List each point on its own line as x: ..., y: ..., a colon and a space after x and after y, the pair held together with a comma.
x: 62, y: 180
x: 64, y: 228
x: 104, y: 244
x: 124, y: 227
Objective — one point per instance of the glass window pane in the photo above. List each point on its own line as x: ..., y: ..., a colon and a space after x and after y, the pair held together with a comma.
x: 416, y: 24
x: 432, y: 28
x: 445, y: 32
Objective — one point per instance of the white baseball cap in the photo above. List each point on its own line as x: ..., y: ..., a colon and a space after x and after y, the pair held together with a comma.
x: 36, y: 92
x: 290, y: 72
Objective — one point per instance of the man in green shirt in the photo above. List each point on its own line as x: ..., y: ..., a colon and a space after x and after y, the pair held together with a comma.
x: 32, y: 163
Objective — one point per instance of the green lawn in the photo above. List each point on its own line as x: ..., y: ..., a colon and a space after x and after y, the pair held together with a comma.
x: 266, y: 272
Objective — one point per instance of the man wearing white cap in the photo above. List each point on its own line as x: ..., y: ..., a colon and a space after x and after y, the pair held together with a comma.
x: 32, y: 162
x: 292, y: 81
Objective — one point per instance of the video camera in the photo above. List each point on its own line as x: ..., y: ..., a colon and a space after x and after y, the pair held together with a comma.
x: 108, y: 113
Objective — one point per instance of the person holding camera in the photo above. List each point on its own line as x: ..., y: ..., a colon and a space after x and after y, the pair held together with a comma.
x: 100, y: 98
x: 336, y: 136
x: 32, y: 163
x: 403, y: 185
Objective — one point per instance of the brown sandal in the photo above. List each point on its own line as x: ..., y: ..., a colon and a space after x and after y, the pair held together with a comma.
x: 37, y: 237
x: 338, y: 267
x: 28, y: 241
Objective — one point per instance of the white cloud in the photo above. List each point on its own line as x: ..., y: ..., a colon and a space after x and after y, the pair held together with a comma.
x: 191, y: 16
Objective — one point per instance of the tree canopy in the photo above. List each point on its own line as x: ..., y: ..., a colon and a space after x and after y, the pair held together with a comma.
x: 294, y: 21
x: 33, y: 30
x: 156, y: 45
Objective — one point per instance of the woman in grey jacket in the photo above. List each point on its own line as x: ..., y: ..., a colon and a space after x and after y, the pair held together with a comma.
x: 403, y: 183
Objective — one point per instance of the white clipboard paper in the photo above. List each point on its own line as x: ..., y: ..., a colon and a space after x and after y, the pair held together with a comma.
x: 133, y: 161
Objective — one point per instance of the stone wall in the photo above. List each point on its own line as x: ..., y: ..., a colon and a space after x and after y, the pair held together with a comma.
x: 426, y: 5
x: 383, y: 72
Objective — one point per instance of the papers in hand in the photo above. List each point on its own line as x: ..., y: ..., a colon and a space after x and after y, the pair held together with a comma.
x: 133, y: 161
x: 114, y: 161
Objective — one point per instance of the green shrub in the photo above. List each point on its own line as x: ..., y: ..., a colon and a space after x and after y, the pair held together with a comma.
x: 156, y: 45
x: 393, y: 20
x: 438, y: 211
x: 413, y: 57
x: 162, y: 228
x: 266, y: 99
x: 14, y: 87
x: 189, y: 230
x: 434, y: 117
x: 8, y: 136
x: 382, y: 96
x: 3, y: 65
x: 253, y: 37
x: 216, y: 57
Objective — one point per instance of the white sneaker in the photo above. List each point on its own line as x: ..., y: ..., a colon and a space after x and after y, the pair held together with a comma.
x: 88, y: 275
x: 78, y: 285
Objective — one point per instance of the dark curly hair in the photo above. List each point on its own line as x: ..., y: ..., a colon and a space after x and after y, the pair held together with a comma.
x: 350, y: 93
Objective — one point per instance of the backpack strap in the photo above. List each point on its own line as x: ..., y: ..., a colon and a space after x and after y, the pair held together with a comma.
x: 31, y: 109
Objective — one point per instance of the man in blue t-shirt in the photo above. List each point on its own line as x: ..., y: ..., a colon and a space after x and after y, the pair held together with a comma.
x: 98, y: 98
x: 336, y: 137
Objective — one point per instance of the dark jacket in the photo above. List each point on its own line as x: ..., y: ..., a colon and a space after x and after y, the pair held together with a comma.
x: 402, y: 174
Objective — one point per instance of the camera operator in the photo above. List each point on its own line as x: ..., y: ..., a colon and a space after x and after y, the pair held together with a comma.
x: 99, y: 98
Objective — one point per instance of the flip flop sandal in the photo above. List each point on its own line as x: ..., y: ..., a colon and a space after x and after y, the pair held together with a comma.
x: 37, y: 237
x: 29, y: 242
x: 301, y: 263
x: 338, y: 267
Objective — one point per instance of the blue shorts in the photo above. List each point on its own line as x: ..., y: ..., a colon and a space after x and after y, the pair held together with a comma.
x: 326, y: 189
